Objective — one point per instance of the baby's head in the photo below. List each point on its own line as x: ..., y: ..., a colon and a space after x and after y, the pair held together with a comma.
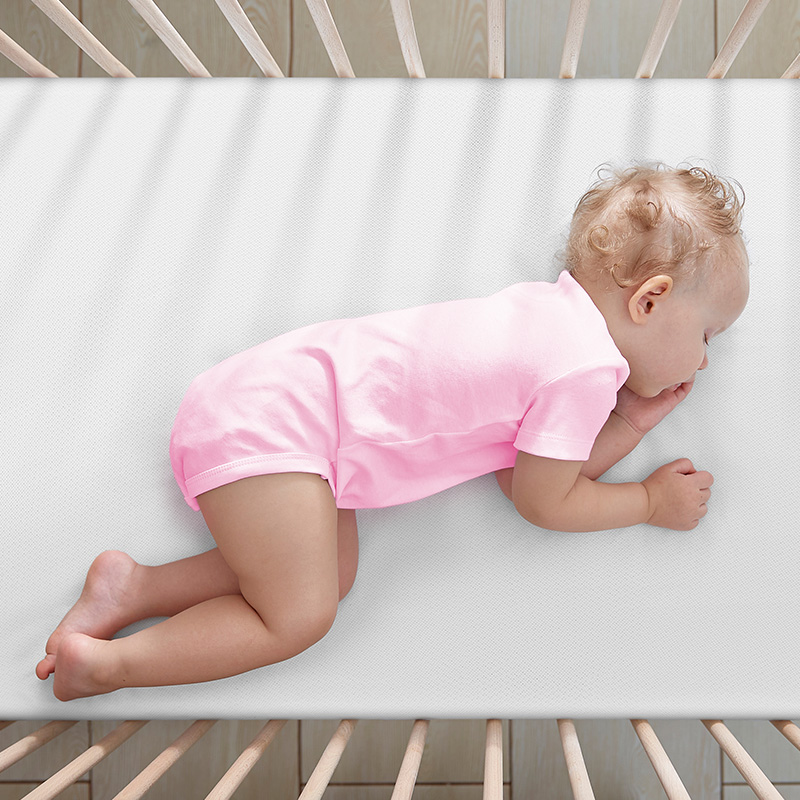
x: 651, y: 219
x: 660, y: 251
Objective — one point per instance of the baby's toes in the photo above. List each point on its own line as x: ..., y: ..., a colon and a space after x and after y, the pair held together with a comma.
x: 46, y: 667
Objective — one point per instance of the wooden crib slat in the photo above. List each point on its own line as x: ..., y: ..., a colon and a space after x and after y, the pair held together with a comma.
x: 737, y: 37
x: 667, y: 15
x: 165, y: 31
x: 789, y: 730
x: 794, y: 69
x: 249, y: 37
x: 578, y: 774
x: 22, y: 58
x: 33, y: 741
x: 407, y: 36
x: 6, y: 722
x: 493, y: 762
x: 742, y: 760
x: 576, y: 25
x: 496, y: 21
x: 320, y: 777
x: 329, y: 34
x: 240, y: 768
x: 667, y: 774
x: 409, y: 769
x: 76, y: 31
x: 67, y: 775
x: 144, y: 781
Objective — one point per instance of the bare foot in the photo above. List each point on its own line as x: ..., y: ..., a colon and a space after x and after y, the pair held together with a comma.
x: 81, y: 670
x: 104, y: 607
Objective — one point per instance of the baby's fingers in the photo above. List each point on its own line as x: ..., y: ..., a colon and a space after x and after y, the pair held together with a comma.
x: 704, y: 479
x: 683, y: 390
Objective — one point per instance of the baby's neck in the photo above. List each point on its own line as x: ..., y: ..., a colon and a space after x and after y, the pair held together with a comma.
x: 612, y: 304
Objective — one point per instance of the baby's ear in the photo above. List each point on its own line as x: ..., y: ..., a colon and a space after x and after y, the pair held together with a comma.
x: 648, y: 297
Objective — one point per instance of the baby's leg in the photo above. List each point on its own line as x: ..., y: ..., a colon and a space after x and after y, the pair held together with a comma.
x: 119, y: 591
x: 278, y: 535
x: 167, y: 589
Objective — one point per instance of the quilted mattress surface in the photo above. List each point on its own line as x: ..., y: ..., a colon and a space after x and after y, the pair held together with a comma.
x: 151, y: 228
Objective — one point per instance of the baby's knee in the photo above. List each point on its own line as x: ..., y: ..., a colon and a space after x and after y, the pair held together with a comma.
x: 304, y: 627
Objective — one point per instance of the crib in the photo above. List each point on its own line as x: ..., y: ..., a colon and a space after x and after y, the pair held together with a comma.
x: 401, y: 13
x: 495, y: 783
x: 323, y: 772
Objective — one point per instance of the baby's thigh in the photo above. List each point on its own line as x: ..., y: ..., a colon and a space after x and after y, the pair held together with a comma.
x: 278, y: 533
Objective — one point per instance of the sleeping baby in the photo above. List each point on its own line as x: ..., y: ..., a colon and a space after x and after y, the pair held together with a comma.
x: 545, y: 384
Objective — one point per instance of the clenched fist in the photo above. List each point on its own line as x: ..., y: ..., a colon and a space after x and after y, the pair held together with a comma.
x: 677, y: 495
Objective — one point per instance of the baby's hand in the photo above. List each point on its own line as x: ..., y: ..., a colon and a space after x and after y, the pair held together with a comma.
x: 677, y: 495
x: 644, y: 413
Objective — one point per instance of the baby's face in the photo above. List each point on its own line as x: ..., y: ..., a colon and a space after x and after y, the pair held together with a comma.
x: 677, y: 341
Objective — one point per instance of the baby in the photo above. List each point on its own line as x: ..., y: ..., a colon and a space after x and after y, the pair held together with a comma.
x: 546, y: 384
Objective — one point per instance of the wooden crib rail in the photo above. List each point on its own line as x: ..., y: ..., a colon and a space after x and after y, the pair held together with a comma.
x: 408, y: 771
x: 578, y: 774
x: 401, y: 11
x: 247, y: 34
x: 76, y: 31
x: 794, y: 69
x: 748, y: 768
x: 329, y: 34
x: 233, y: 778
x: 667, y: 774
x: 576, y: 25
x: 667, y: 15
x: 66, y: 776
x: 742, y: 28
x: 22, y: 58
x: 165, y: 31
x: 407, y: 36
x: 166, y: 759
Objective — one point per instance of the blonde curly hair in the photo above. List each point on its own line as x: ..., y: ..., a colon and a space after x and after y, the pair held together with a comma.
x: 651, y: 219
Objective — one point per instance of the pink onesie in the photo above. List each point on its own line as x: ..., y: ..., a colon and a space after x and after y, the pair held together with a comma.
x: 395, y: 406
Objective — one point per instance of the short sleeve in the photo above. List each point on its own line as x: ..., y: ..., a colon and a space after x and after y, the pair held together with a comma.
x: 566, y: 414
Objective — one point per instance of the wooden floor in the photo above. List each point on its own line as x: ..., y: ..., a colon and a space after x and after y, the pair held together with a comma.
x: 452, y: 37
x: 451, y: 769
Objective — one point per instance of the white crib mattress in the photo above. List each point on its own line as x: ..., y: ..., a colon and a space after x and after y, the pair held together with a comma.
x: 151, y: 228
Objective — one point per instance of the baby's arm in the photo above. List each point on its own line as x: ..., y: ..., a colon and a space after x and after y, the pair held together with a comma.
x: 632, y: 418
x: 675, y: 493
x: 554, y: 494
x: 616, y: 439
